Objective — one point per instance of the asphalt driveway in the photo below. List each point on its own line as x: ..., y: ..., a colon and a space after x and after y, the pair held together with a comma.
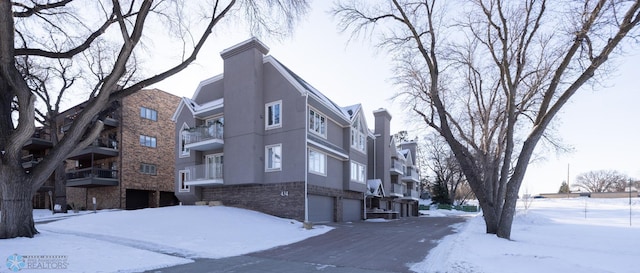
x: 351, y: 247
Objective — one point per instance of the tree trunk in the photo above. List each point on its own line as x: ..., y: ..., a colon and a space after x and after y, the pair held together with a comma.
x: 60, y: 188
x: 17, y: 209
x: 490, y: 216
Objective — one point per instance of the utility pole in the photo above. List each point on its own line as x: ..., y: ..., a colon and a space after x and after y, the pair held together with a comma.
x: 568, y: 187
x: 629, y: 184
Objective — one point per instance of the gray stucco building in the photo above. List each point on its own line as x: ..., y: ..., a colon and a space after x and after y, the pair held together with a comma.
x: 260, y: 137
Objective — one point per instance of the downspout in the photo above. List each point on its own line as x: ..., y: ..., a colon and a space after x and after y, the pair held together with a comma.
x: 306, y: 160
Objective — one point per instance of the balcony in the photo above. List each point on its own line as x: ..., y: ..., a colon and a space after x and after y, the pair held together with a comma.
x: 411, y: 194
x: 203, y: 138
x: 205, y: 175
x: 92, y: 177
x: 100, y: 148
x: 411, y: 175
x: 30, y: 161
x: 397, y: 190
x: 110, y: 121
x: 396, y: 167
x: 39, y: 141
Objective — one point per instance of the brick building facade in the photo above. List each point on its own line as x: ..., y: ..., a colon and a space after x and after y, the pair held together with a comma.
x: 131, y: 164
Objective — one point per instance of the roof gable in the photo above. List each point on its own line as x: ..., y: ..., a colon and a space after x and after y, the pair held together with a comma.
x: 306, y: 88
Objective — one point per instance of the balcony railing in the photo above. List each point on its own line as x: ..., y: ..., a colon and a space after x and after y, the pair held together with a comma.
x: 396, y: 166
x: 205, y: 174
x: 111, y: 119
x: 105, y: 143
x: 411, y: 175
x: 202, y: 133
x: 412, y: 194
x: 30, y: 161
x: 398, y: 189
x: 92, y: 173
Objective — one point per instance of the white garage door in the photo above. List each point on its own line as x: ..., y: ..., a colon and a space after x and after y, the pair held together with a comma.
x: 320, y: 209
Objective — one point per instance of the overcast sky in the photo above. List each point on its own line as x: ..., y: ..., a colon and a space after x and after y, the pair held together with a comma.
x: 602, y: 125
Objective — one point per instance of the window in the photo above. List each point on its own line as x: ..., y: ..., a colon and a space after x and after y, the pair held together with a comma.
x: 317, y: 162
x: 214, y: 166
x: 358, y: 138
x: 273, y: 157
x: 317, y: 123
x: 184, y: 137
x: 148, y: 169
x: 358, y: 172
x: 215, y: 127
x: 147, y: 141
x: 273, y: 115
x: 183, y: 176
x: 148, y: 113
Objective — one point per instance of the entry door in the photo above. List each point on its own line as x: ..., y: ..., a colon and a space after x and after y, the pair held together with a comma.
x: 214, y: 166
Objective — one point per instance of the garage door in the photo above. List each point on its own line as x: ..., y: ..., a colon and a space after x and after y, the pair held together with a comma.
x: 320, y: 209
x: 351, y: 210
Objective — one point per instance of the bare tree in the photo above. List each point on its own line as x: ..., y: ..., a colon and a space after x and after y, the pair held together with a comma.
x: 103, y: 44
x: 449, y: 184
x: 490, y: 75
x: 602, y: 181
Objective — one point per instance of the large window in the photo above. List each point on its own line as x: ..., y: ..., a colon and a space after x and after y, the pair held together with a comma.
x: 273, y: 157
x: 148, y: 113
x: 215, y: 127
x: 183, y: 176
x: 273, y: 114
x: 148, y: 169
x: 317, y: 123
x: 317, y: 162
x: 214, y: 163
x: 358, y: 137
x: 147, y: 141
x: 358, y: 172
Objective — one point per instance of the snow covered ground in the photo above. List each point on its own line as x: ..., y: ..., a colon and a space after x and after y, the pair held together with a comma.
x: 552, y: 235
x: 132, y: 241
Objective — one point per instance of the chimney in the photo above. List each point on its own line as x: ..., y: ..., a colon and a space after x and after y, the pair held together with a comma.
x: 243, y: 85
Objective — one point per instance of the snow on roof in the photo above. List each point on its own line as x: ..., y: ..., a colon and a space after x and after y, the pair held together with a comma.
x: 208, y: 105
x: 321, y: 97
x: 352, y: 110
x: 375, y: 187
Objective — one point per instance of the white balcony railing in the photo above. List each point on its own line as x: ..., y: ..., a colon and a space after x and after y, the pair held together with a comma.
x: 396, y: 166
x: 207, y: 174
x: 412, y: 194
x: 411, y: 175
x: 398, y: 189
x: 202, y: 133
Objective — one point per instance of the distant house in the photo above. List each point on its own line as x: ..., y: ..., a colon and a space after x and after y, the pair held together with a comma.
x: 260, y: 137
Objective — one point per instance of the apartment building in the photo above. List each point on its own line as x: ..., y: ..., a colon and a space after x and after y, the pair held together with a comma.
x: 33, y: 151
x: 260, y: 137
x: 131, y: 164
x: 394, y: 187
